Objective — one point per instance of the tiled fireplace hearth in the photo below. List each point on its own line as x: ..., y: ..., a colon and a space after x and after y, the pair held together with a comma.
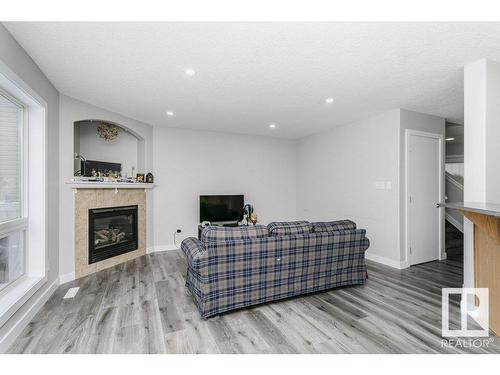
x: 110, y: 228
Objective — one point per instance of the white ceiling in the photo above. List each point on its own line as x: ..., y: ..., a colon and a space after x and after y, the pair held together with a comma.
x: 252, y: 74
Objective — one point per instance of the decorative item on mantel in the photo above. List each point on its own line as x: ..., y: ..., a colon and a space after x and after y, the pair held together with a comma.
x: 247, y: 212
x: 253, y: 218
x: 149, y: 178
x: 140, y: 177
x: 107, y: 131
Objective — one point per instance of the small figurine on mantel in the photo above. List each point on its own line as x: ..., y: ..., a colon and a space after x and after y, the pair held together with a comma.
x: 149, y: 178
x: 253, y: 218
x: 248, y: 215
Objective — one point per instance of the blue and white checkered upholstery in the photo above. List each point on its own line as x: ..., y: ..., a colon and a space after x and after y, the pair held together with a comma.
x: 231, y: 274
x: 287, y: 228
x: 244, y: 232
x: 330, y: 226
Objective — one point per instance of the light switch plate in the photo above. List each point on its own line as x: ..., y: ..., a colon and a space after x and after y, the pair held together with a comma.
x: 379, y: 185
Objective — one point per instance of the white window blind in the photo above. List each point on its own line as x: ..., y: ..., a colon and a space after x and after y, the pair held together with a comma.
x: 12, y: 222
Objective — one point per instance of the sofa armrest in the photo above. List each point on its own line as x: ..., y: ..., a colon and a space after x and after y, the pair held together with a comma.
x: 354, y: 238
x: 193, y: 249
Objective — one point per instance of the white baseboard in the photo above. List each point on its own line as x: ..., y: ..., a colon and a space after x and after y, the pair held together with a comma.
x: 160, y: 248
x: 386, y: 261
x: 17, y: 328
x: 66, y: 278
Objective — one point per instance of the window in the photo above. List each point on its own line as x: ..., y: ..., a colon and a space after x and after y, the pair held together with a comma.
x: 23, y: 241
x: 13, y: 221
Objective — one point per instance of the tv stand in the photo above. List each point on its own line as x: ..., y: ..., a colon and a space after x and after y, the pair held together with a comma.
x: 225, y: 224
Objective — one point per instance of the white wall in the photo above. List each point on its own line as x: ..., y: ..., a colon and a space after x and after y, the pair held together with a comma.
x: 72, y: 110
x: 493, y: 132
x: 122, y: 149
x: 336, y: 175
x: 16, y: 59
x: 190, y: 163
x: 338, y: 170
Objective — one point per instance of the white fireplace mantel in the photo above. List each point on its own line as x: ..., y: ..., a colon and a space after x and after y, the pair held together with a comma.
x: 108, y: 185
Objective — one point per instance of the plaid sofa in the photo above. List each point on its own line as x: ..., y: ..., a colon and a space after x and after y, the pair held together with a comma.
x: 232, y: 268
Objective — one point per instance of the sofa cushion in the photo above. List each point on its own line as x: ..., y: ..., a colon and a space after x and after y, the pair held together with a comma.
x: 222, y: 234
x: 287, y: 228
x: 330, y: 226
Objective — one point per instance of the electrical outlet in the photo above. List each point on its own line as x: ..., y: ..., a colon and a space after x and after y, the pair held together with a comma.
x: 179, y: 231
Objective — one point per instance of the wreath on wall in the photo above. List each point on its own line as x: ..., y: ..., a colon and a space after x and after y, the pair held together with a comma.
x: 107, y: 131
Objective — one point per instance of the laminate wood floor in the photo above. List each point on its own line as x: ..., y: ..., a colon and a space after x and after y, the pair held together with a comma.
x: 141, y: 307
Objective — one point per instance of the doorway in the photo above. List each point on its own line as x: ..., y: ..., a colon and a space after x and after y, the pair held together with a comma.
x: 454, y: 191
x: 424, y: 189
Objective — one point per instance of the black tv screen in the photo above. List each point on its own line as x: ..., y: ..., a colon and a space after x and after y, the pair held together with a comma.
x: 217, y: 208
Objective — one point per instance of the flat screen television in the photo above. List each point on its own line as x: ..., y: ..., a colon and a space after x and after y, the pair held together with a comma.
x: 221, y: 208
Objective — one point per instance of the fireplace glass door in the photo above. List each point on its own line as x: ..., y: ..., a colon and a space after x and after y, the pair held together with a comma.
x: 112, y: 231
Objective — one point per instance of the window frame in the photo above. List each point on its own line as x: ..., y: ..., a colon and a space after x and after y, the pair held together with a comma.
x: 19, y: 224
x: 34, y: 208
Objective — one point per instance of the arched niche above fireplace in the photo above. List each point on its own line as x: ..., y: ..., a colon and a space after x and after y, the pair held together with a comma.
x: 104, y: 146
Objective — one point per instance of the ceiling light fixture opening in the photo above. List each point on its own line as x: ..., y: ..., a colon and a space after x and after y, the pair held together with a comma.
x: 329, y: 100
x: 272, y: 126
x: 190, y: 72
x: 170, y: 113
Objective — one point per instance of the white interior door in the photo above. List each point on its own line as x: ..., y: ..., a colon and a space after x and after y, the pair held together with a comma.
x: 424, y: 190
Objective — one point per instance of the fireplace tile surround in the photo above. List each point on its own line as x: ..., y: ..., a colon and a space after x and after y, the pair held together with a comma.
x: 95, y: 198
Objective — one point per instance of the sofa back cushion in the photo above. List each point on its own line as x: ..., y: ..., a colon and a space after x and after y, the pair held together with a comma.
x: 331, y: 226
x: 213, y: 234
x: 287, y: 228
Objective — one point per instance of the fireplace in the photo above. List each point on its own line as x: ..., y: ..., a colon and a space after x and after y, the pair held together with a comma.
x: 112, y: 231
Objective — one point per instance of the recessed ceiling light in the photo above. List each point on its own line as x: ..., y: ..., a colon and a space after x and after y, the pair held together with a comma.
x: 170, y: 113
x: 450, y: 139
x: 190, y: 72
x: 329, y: 100
x: 272, y: 126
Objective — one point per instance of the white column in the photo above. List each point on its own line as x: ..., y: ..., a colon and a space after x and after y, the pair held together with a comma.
x: 474, y: 131
x: 481, y: 145
x: 482, y: 131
